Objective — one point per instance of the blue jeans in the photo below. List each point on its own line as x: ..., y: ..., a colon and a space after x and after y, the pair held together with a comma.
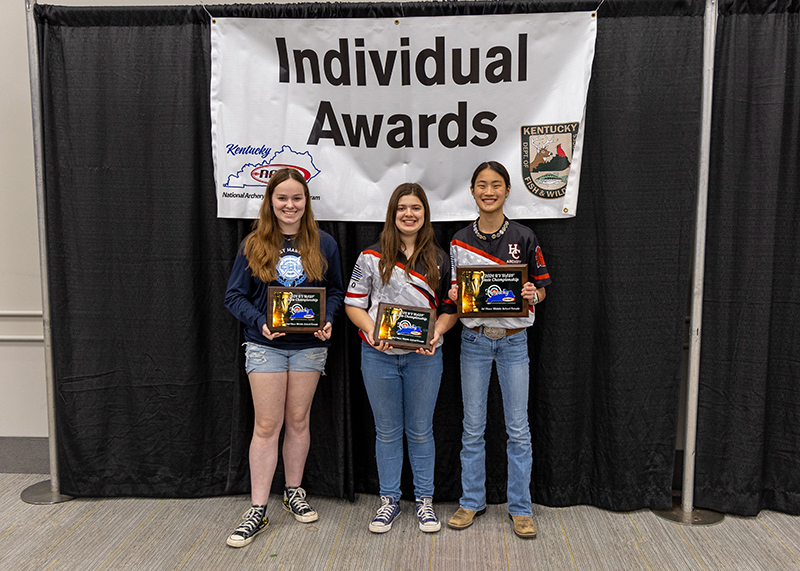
x: 402, y: 391
x: 511, y: 356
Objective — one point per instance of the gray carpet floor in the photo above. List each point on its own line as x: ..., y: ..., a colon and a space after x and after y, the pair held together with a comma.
x: 183, y: 535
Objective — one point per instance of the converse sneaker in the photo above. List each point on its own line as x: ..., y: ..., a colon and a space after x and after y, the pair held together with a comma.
x: 387, y: 513
x: 294, y: 501
x: 253, y: 522
x: 427, y: 517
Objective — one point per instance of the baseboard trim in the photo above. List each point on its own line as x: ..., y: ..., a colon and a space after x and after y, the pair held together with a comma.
x: 24, y: 455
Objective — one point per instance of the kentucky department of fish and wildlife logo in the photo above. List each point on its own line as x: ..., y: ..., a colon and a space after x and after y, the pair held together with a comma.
x: 546, y: 158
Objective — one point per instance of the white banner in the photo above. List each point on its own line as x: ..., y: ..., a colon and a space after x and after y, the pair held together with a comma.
x: 360, y: 106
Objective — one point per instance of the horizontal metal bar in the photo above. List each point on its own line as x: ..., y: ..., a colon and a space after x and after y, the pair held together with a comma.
x: 21, y: 338
x: 20, y: 313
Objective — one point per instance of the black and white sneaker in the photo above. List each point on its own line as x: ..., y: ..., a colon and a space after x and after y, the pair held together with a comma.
x: 387, y: 513
x: 294, y: 501
x: 253, y: 522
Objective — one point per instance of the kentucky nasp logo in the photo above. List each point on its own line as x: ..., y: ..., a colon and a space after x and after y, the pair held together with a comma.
x: 546, y: 158
x: 257, y: 174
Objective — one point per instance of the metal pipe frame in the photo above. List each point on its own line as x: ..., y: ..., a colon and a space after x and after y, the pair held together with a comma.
x: 701, y: 217
x: 38, y: 493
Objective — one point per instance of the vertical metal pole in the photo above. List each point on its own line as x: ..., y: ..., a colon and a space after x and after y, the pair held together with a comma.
x: 43, y: 492
x: 686, y: 514
x: 695, y: 324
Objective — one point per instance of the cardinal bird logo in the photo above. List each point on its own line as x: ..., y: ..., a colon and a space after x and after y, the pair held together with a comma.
x: 547, y: 157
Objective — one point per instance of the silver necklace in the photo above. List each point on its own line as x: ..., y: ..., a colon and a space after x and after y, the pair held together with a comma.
x: 487, y: 237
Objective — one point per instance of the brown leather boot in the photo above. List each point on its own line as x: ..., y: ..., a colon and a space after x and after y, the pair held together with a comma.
x: 523, y: 525
x: 463, y: 518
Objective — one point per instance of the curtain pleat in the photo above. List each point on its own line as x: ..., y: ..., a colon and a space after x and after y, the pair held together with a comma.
x: 748, y: 433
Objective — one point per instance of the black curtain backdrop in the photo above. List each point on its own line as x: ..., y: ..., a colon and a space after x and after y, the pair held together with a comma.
x: 748, y: 449
x: 151, y: 394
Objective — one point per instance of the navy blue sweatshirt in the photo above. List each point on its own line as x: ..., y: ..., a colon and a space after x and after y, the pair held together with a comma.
x: 246, y: 297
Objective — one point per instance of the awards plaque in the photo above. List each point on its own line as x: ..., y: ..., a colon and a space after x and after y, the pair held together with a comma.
x: 492, y: 291
x: 295, y: 309
x: 404, y: 327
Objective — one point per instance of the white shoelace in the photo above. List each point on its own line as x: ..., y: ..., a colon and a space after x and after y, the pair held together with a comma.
x: 250, y: 521
x: 425, y: 510
x: 385, y: 511
x: 298, y: 501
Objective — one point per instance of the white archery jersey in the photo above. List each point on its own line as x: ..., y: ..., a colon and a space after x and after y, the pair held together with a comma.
x: 366, y: 290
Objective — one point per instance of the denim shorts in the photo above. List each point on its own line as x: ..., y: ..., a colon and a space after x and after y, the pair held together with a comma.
x: 263, y: 359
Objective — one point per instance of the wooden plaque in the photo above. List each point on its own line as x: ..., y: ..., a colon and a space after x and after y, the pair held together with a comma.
x: 404, y: 327
x: 296, y: 309
x: 492, y: 291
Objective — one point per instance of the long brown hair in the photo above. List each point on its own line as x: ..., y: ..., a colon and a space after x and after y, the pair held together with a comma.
x: 425, y: 246
x: 263, y: 245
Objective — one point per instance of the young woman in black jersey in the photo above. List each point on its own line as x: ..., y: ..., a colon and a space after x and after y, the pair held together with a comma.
x: 493, y: 239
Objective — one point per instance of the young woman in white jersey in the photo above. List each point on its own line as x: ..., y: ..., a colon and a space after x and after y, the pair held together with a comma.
x: 406, y: 268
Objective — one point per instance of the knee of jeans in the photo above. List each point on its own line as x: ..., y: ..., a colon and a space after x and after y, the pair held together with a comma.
x: 519, y: 432
x: 420, y: 436
x: 472, y: 434
x: 387, y: 435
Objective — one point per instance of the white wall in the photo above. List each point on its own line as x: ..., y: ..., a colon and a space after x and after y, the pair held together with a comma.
x: 23, y: 410
x: 23, y: 406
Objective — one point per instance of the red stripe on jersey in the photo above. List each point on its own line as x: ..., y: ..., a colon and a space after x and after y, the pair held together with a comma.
x: 348, y: 294
x: 410, y: 272
x: 398, y: 264
x: 542, y: 277
x: 477, y: 251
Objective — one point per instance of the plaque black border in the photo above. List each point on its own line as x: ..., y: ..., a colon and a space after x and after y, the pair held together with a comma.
x: 494, y: 268
x: 296, y: 328
x: 404, y: 344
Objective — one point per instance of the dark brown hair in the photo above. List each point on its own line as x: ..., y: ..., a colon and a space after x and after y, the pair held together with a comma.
x: 491, y: 165
x: 425, y: 246
x: 263, y: 245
